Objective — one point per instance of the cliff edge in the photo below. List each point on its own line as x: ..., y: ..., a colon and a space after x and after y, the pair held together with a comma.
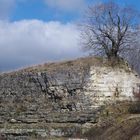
x: 59, y: 99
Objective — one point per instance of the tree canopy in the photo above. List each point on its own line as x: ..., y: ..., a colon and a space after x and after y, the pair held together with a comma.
x: 110, y: 30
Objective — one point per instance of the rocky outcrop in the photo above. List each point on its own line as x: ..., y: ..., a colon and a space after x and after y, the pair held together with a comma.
x: 59, y: 99
x: 107, y: 84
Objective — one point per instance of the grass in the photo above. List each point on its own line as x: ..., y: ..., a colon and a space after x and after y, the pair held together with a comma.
x: 77, y: 64
x: 118, y: 124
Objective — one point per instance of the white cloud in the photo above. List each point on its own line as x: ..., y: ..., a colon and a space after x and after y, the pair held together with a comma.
x: 66, y: 5
x: 28, y: 42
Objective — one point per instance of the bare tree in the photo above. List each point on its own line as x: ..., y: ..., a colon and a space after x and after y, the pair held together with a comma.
x: 109, y: 30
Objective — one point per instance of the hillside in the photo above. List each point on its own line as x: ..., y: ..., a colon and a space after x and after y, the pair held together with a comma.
x: 68, y: 99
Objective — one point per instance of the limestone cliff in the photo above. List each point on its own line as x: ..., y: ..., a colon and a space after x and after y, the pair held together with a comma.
x: 57, y: 99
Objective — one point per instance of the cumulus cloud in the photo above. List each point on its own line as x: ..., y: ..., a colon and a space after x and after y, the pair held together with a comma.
x: 27, y: 42
x: 66, y: 5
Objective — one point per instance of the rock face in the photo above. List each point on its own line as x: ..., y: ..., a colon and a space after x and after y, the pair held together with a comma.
x: 106, y: 84
x: 58, y: 99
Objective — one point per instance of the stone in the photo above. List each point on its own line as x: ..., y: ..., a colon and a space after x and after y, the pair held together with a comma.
x: 13, y: 121
x: 59, y: 94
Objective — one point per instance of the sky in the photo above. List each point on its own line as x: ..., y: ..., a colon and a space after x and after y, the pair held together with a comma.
x: 38, y: 31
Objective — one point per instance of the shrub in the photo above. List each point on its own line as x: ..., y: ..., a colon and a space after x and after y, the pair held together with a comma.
x: 135, y: 108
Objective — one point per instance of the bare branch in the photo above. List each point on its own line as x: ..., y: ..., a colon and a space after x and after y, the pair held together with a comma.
x: 109, y: 29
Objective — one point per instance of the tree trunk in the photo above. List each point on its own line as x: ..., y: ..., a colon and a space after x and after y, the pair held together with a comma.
x: 113, y: 55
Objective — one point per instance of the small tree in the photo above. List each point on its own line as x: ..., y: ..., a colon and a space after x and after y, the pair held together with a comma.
x: 109, y: 30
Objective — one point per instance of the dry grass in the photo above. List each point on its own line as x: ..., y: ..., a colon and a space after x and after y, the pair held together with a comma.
x: 81, y: 62
x: 71, y: 64
x: 117, y: 124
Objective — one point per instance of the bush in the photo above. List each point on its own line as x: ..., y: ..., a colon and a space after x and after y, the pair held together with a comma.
x: 135, y: 108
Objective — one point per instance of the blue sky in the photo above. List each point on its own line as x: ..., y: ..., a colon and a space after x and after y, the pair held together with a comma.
x: 38, y: 31
x: 42, y: 10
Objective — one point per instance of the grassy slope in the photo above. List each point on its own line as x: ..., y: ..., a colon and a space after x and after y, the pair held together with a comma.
x: 78, y: 63
x: 117, y: 122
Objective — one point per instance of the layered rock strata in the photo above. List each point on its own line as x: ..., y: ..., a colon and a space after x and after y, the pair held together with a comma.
x: 59, y: 99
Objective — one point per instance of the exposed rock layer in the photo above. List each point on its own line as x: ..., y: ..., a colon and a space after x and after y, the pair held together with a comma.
x: 58, y: 99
